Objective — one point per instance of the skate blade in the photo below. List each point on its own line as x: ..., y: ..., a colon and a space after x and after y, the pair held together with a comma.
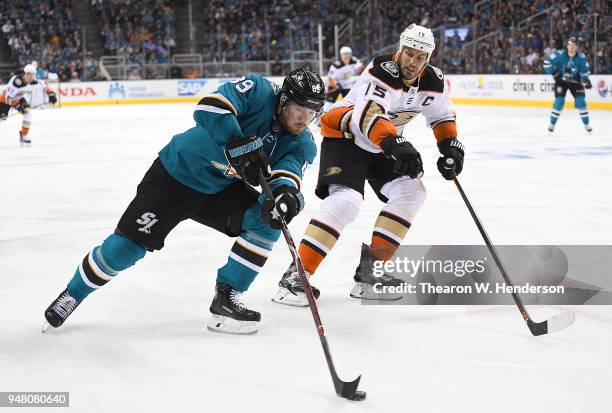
x: 364, y: 291
x: 221, y: 324
x: 286, y: 297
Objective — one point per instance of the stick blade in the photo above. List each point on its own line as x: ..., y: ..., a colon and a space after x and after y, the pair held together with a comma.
x: 346, y: 389
x: 556, y: 323
x: 561, y: 321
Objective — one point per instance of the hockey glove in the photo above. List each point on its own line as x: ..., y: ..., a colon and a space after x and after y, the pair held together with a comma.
x: 23, y: 106
x: 407, y: 158
x: 248, y: 157
x: 450, y: 148
x: 52, y: 98
x: 288, y: 202
x: 587, y: 83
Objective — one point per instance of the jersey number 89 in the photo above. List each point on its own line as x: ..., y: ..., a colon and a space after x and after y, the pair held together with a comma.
x: 243, y: 84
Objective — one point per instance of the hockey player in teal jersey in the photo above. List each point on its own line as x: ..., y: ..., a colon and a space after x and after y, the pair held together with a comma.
x: 207, y: 174
x: 571, y: 71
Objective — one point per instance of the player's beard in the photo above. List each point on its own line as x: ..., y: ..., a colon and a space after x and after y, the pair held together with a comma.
x: 410, y: 73
x: 296, y: 128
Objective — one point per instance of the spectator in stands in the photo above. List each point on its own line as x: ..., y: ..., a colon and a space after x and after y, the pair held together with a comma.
x: 44, y: 30
x: 511, y: 36
x: 142, y: 30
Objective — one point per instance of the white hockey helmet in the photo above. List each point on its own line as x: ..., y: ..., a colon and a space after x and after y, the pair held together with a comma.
x: 29, y: 69
x: 419, y: 38
x: 346, y: 50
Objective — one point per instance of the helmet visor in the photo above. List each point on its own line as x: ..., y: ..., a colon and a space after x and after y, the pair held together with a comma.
x: 300, y: 114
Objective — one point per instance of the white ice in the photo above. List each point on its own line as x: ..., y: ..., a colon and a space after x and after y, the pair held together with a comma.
x: 140, y: 345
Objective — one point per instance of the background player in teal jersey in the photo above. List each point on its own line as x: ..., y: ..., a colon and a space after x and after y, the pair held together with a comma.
x: 571, y: 71
x: 206, y: 174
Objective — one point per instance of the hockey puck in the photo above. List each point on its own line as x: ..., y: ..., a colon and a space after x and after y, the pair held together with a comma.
x: 358, y: 396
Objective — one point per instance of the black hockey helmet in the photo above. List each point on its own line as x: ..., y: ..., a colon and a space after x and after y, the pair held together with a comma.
x: 306, y: 88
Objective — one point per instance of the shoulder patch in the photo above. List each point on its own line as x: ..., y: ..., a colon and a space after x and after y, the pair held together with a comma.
x: 438, y: 72
x: 390, y: 68
x: 337, y: 64
x: 384, y: 69
x: 432, y: 80
x: 18, y: 82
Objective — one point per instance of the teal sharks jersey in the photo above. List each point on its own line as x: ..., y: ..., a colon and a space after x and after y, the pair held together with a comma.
x: 243, y: 107
x: 560, y: 62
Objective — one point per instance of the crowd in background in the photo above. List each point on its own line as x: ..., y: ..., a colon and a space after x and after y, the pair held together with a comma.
x: 141, y: 30
x: 236, y: 30
x: 494, y: 37
x: 48, y: 32
x: 521, y: 33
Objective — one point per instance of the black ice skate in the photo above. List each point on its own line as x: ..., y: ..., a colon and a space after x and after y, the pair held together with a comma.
x: 60, y: 309
x: 291, y: 289
x: 588, y: 128
x: 365, y: 280
x: 24, y: 140
x: 230, y: 315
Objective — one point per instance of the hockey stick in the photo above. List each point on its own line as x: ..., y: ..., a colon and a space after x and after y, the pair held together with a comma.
x: 555, y: 323
x: 16, y: 112
x: 347, y: 390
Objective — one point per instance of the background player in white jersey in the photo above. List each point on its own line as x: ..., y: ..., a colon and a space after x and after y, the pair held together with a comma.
x: 363, y: 141
x: 17, y: 94
x: 341, y: 76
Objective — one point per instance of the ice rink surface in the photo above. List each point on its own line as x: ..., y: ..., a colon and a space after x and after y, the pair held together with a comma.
x: 140, y: 343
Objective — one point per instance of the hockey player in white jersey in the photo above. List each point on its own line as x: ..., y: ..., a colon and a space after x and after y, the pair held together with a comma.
x: 17, y: 94
x: 342, y: 76
x: 362, y: 141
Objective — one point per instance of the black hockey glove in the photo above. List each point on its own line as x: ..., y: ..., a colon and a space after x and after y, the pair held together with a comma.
x: 450, y: 148
x: 52, y: 98
x: 248, y: 157
x: 407, y: 158
x: 288, y: 202
x: 23, y: 106
x: 587, y: 83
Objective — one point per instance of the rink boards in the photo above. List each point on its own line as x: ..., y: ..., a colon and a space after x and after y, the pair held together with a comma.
x: 496, y: 90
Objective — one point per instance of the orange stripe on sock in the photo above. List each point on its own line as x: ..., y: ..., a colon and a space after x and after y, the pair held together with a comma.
x: 382, y: 249
x: 310, y: 258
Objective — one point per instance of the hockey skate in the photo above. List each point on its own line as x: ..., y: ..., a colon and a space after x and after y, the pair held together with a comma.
x: 291, y: 289
x: 24, y: 140
x: 366, y: 283
x: 588, y: 128
x: 59, y: 310
x: 551, y: 128
x: 230, y: 315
